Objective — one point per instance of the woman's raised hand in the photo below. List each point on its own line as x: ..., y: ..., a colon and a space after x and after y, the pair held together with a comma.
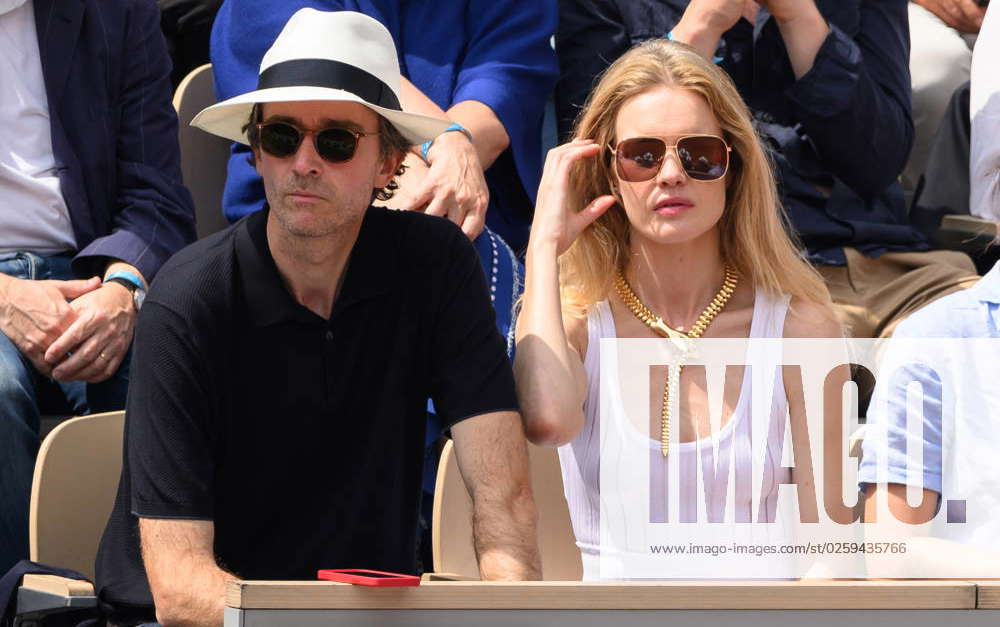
x: 556, y: 223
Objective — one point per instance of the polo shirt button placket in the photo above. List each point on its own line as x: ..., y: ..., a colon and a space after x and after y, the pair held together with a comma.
x: 328, y: 336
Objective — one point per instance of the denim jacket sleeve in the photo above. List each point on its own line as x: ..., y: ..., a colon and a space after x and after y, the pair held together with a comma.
x: 854, y: 104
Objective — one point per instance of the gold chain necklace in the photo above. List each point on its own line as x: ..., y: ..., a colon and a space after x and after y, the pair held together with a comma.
x: 671, y: 391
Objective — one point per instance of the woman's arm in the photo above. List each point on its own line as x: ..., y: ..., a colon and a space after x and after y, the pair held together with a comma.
x: 548, y: 370
x: 551, y: 382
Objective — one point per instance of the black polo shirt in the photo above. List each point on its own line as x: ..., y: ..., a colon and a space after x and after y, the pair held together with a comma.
x: 301, y: 438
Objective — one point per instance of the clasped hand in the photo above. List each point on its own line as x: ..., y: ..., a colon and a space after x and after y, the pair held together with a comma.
x: 81, y: 340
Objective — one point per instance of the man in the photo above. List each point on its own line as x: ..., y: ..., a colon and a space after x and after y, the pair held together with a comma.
x: 485, y: 65
x: 943, y: 443
x: 276, y: 415
x: 91, y: 204
x: 827, y: 82
x: 957, y: 435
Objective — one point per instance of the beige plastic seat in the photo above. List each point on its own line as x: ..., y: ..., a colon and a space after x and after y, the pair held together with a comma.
x: 452, y: 525
x: 204, y: 157
x: 72, y: 494
x: 73, y: 490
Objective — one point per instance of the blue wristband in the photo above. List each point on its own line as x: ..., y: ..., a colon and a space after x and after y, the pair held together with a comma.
x: 128, y: 276
x: 424, y: 147
x: 715, y: 60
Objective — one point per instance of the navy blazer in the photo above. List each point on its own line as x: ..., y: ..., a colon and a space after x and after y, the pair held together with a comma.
x: 114, y: 131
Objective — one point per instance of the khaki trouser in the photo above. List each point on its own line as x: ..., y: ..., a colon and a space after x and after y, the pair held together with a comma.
x: 872, y: 296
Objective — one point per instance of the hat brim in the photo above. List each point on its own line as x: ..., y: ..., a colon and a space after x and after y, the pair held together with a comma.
x: 227, y: 118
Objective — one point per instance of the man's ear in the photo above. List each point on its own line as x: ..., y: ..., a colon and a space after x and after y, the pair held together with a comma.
x: 256, y: 160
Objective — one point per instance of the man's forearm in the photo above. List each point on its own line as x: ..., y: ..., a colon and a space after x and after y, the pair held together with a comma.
x: 506, y: 539
x: 804, y: 34
x: 490, y: 138
x: 188, y: 586
x: 202, y: 600
x: 493, y: 458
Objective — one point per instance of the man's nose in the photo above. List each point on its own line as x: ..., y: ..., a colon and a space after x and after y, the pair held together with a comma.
x: 306, y: 161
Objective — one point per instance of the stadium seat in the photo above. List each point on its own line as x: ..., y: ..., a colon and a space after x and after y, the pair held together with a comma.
x: 72, y: 494
x: 204, y: 157
x: 454, y: 556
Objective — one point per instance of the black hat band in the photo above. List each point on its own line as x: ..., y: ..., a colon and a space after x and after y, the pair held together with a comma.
x: 332, y: 75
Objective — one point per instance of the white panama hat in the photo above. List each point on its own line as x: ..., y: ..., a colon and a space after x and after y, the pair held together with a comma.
x: 337, y: 56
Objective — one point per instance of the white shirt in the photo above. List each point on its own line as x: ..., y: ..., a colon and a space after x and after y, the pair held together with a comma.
x: 984, y: 161
x: 33, y: 213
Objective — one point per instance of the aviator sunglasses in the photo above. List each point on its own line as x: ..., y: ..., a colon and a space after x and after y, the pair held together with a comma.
x: 703, y: 157
x: 335, y: 144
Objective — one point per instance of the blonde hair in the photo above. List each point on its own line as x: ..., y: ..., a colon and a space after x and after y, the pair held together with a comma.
x: 753, y: 235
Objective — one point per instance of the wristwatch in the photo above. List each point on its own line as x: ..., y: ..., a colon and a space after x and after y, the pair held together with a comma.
x: 130, y: 282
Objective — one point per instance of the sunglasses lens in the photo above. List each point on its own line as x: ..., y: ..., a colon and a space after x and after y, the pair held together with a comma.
x: 280, y: 140
x: 336, y: 144
x: 639, y: 159
x: 703, y: 158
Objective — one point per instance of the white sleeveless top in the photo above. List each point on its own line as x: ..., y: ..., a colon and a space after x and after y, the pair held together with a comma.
x: 580, y: 459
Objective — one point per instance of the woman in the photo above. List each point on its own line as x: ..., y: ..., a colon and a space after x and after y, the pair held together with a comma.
x: 660, y: 219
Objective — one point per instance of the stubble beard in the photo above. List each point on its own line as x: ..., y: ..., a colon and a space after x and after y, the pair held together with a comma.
x: 313, y: 220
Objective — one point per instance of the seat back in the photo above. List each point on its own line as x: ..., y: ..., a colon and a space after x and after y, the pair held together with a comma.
x: 73, y: 490
x: 452, y: 525
x: 204, y: 157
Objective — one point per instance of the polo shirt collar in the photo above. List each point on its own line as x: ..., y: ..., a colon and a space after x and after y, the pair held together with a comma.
x: 368, y: 272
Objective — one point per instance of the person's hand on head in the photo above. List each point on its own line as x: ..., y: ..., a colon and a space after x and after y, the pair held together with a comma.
x: 556, y: 221
x: 93, y: 346
x: 452, y: 186
x: 34, y: 314
x: 965, y: 16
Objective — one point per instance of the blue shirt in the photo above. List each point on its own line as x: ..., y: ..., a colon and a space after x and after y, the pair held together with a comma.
x: 973, y: 313
x: 493, y: 51
x: 839, y: 136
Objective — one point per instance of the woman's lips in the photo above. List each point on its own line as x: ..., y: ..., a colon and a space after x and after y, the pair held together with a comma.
x: 673, y: 206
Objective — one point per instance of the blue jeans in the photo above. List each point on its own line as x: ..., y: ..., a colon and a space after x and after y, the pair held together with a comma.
x: 24, y: 394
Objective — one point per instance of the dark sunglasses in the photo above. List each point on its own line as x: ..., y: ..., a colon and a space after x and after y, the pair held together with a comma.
x: 703, y: 157
x: 334, y: 144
